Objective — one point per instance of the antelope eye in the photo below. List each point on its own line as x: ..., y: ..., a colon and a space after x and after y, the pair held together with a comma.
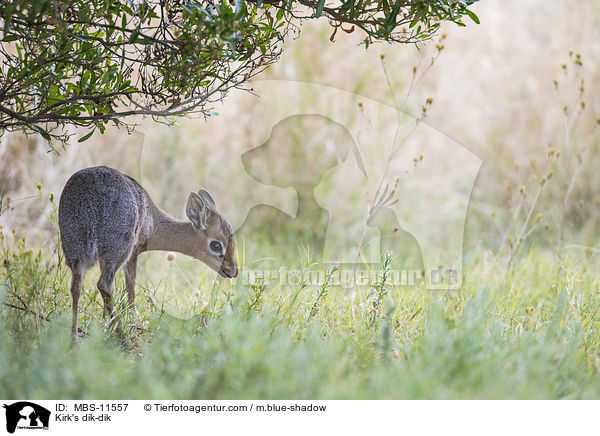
x: 216, y: 246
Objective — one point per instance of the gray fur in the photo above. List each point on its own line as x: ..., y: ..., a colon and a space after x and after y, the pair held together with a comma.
x: 105, y: 215
x: 102, y: 214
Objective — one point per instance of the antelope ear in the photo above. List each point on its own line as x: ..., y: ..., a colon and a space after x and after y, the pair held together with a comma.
x: 208, y: 200
x: 197, y: 211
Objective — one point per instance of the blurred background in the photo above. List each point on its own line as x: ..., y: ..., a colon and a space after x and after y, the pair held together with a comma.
x: 501, y: 119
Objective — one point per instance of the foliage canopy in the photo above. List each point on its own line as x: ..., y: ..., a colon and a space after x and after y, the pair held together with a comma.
x: 90, y: 63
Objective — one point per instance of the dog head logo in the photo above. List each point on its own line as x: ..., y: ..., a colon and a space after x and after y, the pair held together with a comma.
x: 26, y: 415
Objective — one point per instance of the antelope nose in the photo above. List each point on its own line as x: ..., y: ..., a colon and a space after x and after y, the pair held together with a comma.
x: 232, y: 272
x: 229, y: 271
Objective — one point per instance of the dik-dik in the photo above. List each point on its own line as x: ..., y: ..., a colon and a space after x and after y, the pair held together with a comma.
x: 105, y: 215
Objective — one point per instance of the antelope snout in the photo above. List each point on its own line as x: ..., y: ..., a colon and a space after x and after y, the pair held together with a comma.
x: 228, y: 270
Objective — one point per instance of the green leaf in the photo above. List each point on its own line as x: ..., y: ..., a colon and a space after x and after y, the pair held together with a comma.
x: 9, y: 38
x: 391, y: 19
x: 44, y: 134
x: 134, y: 35
x: 472, y: 15
x: 86, y: 136
x: 320, y: 7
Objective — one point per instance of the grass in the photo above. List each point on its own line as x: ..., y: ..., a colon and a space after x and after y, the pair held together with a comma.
x: 531, y: 332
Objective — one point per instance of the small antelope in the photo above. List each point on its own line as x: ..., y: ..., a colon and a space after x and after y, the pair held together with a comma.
x: 106, y: 215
